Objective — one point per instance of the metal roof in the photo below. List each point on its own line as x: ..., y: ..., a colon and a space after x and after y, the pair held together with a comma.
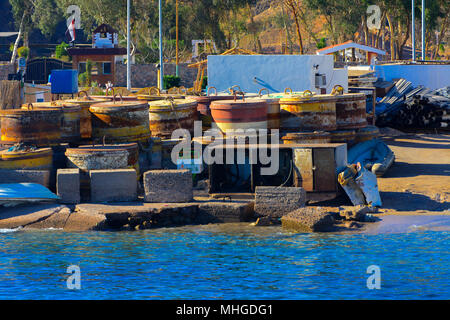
x: 347, y: 45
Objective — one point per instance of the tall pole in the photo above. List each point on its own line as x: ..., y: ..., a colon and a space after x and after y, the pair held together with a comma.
x: 413, y: 32
x: 128, y: 47
x: 161, y: 61
x: 176, y: 50
x: 423, y: 30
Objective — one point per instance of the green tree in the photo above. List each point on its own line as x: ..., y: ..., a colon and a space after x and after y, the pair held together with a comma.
x: 61, y: 51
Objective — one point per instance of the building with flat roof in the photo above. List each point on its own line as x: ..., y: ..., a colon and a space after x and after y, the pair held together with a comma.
x: 104, y: 53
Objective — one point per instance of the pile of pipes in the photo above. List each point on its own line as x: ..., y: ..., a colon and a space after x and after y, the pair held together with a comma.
x: 408, y: 107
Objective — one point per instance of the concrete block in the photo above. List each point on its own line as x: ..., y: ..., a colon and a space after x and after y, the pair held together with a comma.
x: 41, y: 177
x: 118, y: 185
x: 225, y: 212
x: 276, y: 202
x: 168, y: 186
x: 309, y: 219
x: 68, y: 185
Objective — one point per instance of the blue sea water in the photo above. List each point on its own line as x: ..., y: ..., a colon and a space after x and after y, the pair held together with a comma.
x: 224, y: 262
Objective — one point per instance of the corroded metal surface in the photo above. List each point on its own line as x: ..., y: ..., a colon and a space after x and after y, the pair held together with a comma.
x: 343, y: 136
x: 85, y: 116
x: 131, y: 148
x: 351, y: 111
x: 239, y: 114
x: 125, y: 121
x: 97, y: 159
x: 367, y: 133
x: 70, y: 126
x: 168, y: 115
x: 167, y: 146
x: 38, y: 159
x: 203, y: 108
x: 273, y: 109
x: 307, y: 137
x: 308, y: 112
x: 38, y: 127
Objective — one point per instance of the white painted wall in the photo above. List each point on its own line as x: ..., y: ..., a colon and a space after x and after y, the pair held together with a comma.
x: 430, y: 76
x: 275, y: 72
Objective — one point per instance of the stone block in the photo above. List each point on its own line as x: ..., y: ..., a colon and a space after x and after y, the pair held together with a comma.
x: 117, y: 185
x: 68, y: 185
x: 41, y: 177
x: 276, y: 202
x: 225, y: 212
x: 168, y: 186
x: 309, y: 219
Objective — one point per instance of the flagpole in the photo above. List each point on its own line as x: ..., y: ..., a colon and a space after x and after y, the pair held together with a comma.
x: 176, y: 50
x: 128, y: 48
x: 413, y: 32
x: 161, y: 61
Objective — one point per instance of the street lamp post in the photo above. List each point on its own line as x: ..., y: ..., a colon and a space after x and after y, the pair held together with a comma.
x: 128, y: 47
x: 176, y: 45
x: 413, y: 32
x: 161, y: 61
x: 423, y: 30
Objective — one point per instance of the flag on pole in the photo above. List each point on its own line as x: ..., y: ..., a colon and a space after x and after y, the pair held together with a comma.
x: 70, y: 33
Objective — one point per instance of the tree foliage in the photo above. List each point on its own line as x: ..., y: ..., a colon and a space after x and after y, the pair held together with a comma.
x: 227, y: 22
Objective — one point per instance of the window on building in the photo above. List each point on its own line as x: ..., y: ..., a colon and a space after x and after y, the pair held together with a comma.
x: 107, y: 68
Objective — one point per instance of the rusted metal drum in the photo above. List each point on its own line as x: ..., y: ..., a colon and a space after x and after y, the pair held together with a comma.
x: 273, y: 109
x: 147, y: 97
x: 85, y: 102
x: 40, y: 127
x: 154, y: 94
x: 120, y: 121
x: 156, y: 154
x: 239, y: 114
x: 131, y: 148
x: 203, y: 107
x: 343, y: 136
x: 32, y: 159
x: 70, y: 127
x: 367, y: 133
x: 308, y: 112
x: 307, y: 137
x: 95, y: 158
x: 168, y: 115
x: 350, y: 109
x: 167, y: 146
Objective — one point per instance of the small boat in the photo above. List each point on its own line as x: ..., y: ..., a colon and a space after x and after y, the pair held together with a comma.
x: 18, y: 193
x: 373, y: 155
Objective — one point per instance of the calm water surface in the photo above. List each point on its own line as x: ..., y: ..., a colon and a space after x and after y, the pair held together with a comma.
x: 223, y: 262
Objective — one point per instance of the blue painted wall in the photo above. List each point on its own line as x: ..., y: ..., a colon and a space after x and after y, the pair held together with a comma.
x: 430, y: 76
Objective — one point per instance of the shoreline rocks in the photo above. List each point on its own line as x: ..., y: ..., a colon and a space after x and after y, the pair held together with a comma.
x: 309, y: 219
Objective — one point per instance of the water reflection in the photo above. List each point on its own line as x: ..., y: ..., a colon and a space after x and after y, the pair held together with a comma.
x: 235, y: 261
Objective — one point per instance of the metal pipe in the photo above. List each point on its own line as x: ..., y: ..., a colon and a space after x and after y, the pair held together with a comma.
x: 161, y: 61
x: 423, y: 30
x: 128, y: 47
x: 176, y: 51
x: 413, y: 32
